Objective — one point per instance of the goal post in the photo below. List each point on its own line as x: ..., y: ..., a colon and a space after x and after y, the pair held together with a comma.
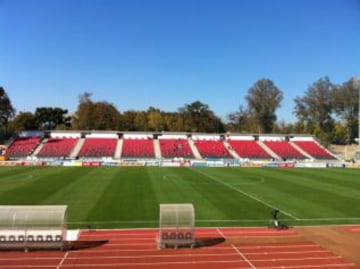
x: 176, y: 225
x: 33, y: 227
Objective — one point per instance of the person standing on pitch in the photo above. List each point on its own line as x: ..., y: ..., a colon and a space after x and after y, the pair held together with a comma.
x: 275, y: 213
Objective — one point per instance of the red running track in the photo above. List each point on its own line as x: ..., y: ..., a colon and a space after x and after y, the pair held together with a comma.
x: 137, y: 249
x: 355, y: 228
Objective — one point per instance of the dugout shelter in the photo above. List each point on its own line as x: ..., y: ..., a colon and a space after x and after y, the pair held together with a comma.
x: 176, y: 225
x: 33, y: 227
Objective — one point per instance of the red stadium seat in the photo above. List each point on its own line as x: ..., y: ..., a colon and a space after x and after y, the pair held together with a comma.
x: 23, y: 146
x: 171, y: 148
x: 138, y: 148
x: 212, y: 149
x: 314, y: 149
x: 284, y: 150
x: 58, y: 147
x: 98, y: 147
x: 249, y: 149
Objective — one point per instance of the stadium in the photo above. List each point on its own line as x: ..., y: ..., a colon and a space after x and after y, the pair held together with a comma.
x: 181, y: 134
x: 73, y: 199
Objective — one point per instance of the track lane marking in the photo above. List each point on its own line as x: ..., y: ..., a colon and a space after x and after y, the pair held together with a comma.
x: 220, y: 232
x: 243, y: 257
x: 62, y: 260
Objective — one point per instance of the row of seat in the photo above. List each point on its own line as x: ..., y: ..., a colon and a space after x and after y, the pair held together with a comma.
x: 284, y: 149
x: 58, y: 147
x: 23, y: 146
x: 212, y: 149
x: 170, y: 148
x: 314, y: 149
x: 249, y: 149
x: 138, y: 148
x: 30, y: 238
x: 98, y: 147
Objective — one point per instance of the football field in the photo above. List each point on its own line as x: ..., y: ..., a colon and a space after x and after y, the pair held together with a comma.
x: 116, y: 197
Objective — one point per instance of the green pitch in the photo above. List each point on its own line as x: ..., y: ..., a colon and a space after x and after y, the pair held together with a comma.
x: 111, y: 197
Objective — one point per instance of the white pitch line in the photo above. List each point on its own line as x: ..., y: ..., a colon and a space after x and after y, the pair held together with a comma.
x: 243, y: 256
x: 62, y: 260
x: 247, y: 194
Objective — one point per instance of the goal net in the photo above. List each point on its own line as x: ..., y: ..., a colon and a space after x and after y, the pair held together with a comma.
x: 31, y: 227
x: 177, y: 225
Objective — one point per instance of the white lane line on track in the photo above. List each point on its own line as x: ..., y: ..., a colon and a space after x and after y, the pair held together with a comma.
x: 99, y: 255
x: 220, y: 232
x: 149, y: 246
x: 128, y: 265
x: 79, y: 258
x: 156, y: 256
x: 243, y: 257
x: 199, y: 231
x: 120, y: 265
x: 247, y: 194
x: 62, y: 260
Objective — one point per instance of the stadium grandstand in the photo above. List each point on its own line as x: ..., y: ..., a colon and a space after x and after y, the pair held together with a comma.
x: 97, y: 145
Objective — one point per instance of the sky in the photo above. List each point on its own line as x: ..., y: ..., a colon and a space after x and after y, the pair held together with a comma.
x: 169, y: 53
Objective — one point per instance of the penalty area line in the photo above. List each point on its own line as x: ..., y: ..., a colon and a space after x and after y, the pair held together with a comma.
x: 246, y: 194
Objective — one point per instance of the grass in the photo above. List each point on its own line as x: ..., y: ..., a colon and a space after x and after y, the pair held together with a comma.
x: 111, y: 197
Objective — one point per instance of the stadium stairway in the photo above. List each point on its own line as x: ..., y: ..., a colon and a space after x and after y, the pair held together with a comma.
x: 194, y: 149
x: 10, y: 141
x: 268, y: 150
x: 39, y: 147
x: 330, y: 152
x: 118, y: 149
x: 231, y: 150
x: 307, y: 155
x: 157, y: 148
x: 78, y: 146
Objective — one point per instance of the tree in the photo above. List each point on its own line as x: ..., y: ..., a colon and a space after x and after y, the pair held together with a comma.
x: 24, y: 121
x: 155, y: 119
x: 50, y: 117
x: 299, y: 128
x: 172, y: 121
x: 242, y: 121
x: 83, y: 116
x: 315, y: 109
x: 283, y: 127
x: 263, y: 99
x: 197, y: 117
x: 140, y: 122
x: 340, y: 134
x: 128, y: 121
x: 95, y: 115
x: 7, y: 111
x: 105, y: 116
x: 345, y: 101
